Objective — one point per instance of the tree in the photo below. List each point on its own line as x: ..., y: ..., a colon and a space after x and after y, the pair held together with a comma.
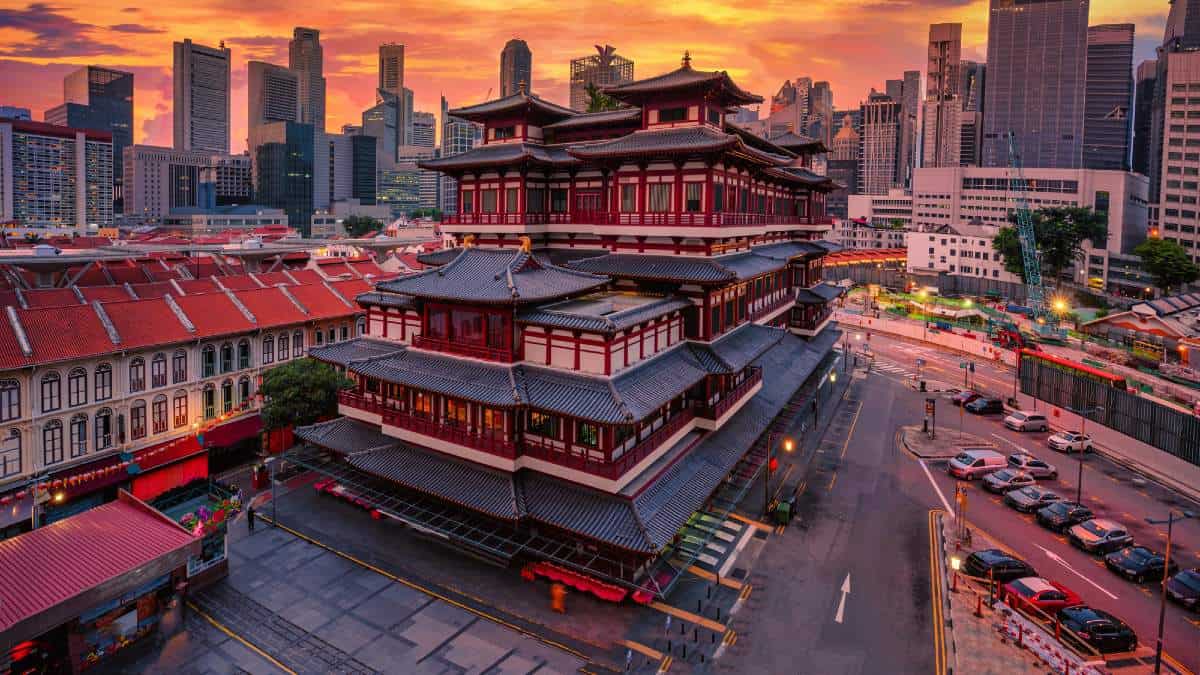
x: 434, y: 214
x: 1060, y: 232
x: 1167, y: 262
x: 360, y: 226
x: 598, y: 101
x: 300, y: 392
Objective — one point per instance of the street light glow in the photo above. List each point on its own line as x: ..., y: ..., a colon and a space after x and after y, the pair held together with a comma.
x: 955, y: 563
x: 787, y: 444
x: 833, y: 377
x: 968, y: 303
x: 1060, y: 305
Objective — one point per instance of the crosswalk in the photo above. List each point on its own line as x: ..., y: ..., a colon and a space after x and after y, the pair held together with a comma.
x: 893, y: 368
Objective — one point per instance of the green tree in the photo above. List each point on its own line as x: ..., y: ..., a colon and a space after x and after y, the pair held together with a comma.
x: 300, y: 392
x: 435, y: 214
x: 598, y: 101
x: 1060, y: 232
x: 361, y: 226
x: 1167, y: 262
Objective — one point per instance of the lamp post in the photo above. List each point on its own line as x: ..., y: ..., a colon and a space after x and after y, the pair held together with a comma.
x: 270, y: 461
x: 1091, y: 409
x: 1162, y: 601
x: 787, y: 446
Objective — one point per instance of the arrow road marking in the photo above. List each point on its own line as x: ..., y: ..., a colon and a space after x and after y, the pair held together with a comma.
x: 1058, y: 559
x: 841, y: 610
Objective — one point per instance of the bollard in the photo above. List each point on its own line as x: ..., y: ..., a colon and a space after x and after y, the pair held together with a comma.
x: 954, y: 582
x: 699, y: 606
x: 978, y: 605
x: 1020, y: 635
x: 695, y: 634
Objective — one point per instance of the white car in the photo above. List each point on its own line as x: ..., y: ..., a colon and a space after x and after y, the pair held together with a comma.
x: 1070, y: 441
x: 1023, y: 461
x: 1023, y: 421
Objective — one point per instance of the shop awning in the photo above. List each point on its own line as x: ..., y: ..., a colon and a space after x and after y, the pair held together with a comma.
x: 233, y: 432
x: 578, y: 581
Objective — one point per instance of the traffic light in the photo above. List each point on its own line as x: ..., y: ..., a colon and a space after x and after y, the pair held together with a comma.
x: 773, y: 465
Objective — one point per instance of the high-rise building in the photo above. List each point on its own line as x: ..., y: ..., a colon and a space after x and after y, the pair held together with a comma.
x: 1181, y: 37
x: 973, y: 104
x: 1143, y: 117
x: 1037, y: 60
x: 201, y: 100
x: 846, y: 144
x: 13, y: 112
x: 391, y: 67
x: 842, y: 166
x: 161, y: 179
x: 1178, y: 215
x: 382, y: 122
x: 424, y: 130
x: 307, y: 59
x: 1106, y: 123
x: 516, y: 68
x: 102, y: 99
x: 458, y: 136
x: 821, y: 123
x: 942, y: 110
x: 272, y: 95
x: 285, y: 172
x: 55, y: 177
x: 974, y: 75
x: 602, y: 69
x: 879, y: 143
x: 362, y: 172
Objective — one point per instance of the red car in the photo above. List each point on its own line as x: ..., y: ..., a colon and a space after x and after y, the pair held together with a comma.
x: 1048, y: 596
x: 964, y: 397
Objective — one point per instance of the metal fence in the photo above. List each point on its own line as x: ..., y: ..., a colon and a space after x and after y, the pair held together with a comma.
x: 947, y: 284
x: 1152, y: 423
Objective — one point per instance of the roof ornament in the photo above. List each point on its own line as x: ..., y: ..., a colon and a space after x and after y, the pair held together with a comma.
x: 526, y: 244
x: 468, y: 241
x: 521, y: 86
x: 687, y: 60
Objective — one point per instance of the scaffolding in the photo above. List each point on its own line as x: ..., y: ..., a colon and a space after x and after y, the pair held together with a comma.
x: 603, y: 69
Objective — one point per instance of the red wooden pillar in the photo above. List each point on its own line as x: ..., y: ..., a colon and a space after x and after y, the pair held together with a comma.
x: 709, y: 199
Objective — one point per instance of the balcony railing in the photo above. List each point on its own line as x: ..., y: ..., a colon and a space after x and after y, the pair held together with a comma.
x: 715, y: 411
x: 686, y: 219
x: 787, y: 298
x: 489, y: 442
x: 474, y: 351
x: 813, y: 322
x: 534, y: 447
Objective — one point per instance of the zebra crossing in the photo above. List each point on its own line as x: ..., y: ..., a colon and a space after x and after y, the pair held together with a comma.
x: 893, y: 368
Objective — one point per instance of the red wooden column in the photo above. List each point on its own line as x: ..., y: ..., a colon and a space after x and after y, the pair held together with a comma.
x: 709, y: 199
x: 643, y: 199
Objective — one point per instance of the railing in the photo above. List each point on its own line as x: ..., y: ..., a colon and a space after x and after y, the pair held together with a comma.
x: 487, y: 441
x: 475, y: 351
x: 692, y: 219
x: 788, y: 298
x: 731, y: 397
x: 811, y: 324
x: 618, y: 467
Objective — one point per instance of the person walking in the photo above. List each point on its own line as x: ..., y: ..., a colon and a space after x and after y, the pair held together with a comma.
x: 250, y: 518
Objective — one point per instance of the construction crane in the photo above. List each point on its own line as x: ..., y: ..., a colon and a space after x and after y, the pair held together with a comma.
x: 1045, y: 323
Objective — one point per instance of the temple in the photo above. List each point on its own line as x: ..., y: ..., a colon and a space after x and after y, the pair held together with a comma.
x: 592, y: 373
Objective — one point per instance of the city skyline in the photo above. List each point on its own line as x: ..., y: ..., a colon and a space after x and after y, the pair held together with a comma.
x: 759, y: 48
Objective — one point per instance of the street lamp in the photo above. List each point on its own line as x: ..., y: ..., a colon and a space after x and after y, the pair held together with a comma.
x: 787, y: 446
x: 1162, y: 601
x: 1083, y: 413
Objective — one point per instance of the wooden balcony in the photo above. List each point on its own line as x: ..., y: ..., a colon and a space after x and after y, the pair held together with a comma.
x: 715, y: 411
x: 787, y: 298
x: 451, y: 347
x: 685, y: 219
x: 485, y: 441
x: 534, y: 447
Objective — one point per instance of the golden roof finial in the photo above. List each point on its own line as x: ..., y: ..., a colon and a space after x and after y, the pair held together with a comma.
x: 521, y: 86
x: 687, y: 59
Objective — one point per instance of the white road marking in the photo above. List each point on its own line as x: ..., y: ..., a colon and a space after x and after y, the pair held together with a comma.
x: 949, y: 511
x: 1057, y: 558
x: 1014, y: 444
x: 841, y: 610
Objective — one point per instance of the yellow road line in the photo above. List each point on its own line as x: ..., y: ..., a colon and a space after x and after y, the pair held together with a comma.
x: 725, y: 581
x: 688, y: 616
x: 750, y: 521
x: 1179, y: 667
x: 221, y: 627
x: 832, y: 481
x: 935, y: 590
x: 665, y: 665
x: 429, y: 591
x: 648, y: 652
x: 850, y: 433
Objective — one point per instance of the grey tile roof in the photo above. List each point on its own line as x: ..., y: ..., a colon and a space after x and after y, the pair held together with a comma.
x: 344, y: 435
x: 748, y: 265
x: 500, y: 154
x: 471, y: 485
x: 829, y: 246
x: 439, y: 257
x: 657, y: 267
x: 503, y: 276
x: 658, y: 142
x: 799, y: 143
x: 358, y: 349
x: 563, y: 256
x: 732, y: 352
x: 566, y: 393
x: 786, y: 250
x: 682, y: 78
x: 650, y: 385
x: 608, y: 323
x: 511, y: 103
x: 490, y: 384
x: 606, y: 117
x: 386, y: 300
x: 584, y: 511
x: 817, y: 295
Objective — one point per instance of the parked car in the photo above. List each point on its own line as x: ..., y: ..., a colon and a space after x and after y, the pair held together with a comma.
x: 1001, y: 566
x: 1070, y: 441
x: 1061, y: 516
x: 1184, y: 588
x: 1036, y: 592
x: 1103, y: 631
x: 1027, y: 421
x: 1138, y: 564
x: 985, y: 406
x: 972, y: 464
x: 1100, y: 535
x: 1007, y: 479
x: 1030, y: 498
x: 964, y: 397
x: 1031, y: 465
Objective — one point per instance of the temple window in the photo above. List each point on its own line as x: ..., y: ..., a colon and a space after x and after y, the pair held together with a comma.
x: 628, y: 198
x: 672, y: 114
x: 501, y: 133
x: 692, y: 196
x: 489, y: 201
x: 659, y: 198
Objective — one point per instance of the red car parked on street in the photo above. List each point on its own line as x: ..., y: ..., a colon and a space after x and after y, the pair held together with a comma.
x: 1048, y: 596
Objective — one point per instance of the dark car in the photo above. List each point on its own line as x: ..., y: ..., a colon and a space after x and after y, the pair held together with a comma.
x: 964, y: 397
x: 1138, y: 563
x: 1103, y: 631
x: 997, y: 565
x: 1184, y: 588
x: 1030, y: 498
x: 1061, y: 516
x: 985, y: 406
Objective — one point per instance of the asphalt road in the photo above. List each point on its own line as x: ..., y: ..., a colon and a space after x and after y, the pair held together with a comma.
x: 1108, y: 489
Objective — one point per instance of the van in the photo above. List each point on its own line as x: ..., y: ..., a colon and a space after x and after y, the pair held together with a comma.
x: 1027, y: 421
x: 971, y: 464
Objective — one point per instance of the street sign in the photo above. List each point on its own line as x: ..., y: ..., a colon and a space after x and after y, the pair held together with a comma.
x: 930, y: 404
x: 920, y: 362
x: 962, y: 364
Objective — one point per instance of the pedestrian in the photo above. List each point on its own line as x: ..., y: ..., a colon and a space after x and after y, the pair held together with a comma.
x: 250, y: 518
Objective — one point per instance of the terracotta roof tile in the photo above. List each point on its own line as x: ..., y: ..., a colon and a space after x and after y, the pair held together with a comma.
x: 105, y: 293
x: 146, y: 323
x: 122, y: 273
x: 213, y: 314
x: 190, y: 286
x: 321, y: 303
x: 351, y: 288
x: 8, y: 297
x: 11, y: 355
x: 239, y: 282
x: 274, y: 278
x: 94, y: 276
x: 153, y: 290
x: 63, y: 333
x: 306, y: 276
x: 271, y: 307
x: 51, y: 297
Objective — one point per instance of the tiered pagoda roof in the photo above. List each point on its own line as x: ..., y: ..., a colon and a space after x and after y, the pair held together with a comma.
x: 518, y: 104
x: 691, y: 269
x: 597, y: 119
x: 716, y: 83
x: 504, y: 154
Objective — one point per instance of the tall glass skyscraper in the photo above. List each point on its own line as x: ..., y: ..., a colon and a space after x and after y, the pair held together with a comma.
x: 1106, y: 123
x: 307, y: 59
x: 100, y: 99
x: 516, y: 68
x: 201, y: 97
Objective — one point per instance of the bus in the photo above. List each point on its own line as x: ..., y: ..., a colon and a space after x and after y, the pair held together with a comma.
x: 1076, y: 368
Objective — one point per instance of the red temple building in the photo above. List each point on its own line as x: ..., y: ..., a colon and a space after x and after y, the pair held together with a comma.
x: 636, y: 297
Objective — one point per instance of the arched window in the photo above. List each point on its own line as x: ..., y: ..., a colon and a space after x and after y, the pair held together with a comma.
x: 226, y: 357
x: 345, y: 332
x: 283, y: 347
x: 227, y: 396
x: 103, y: 425
x: 243, y: 392
x: 179, y: 367
x: 10, y: 454
x: 137, y: 374
x: 208, y: 361
x: 208, y: 400
x: 79, y: 446
x: 103, y: 384
x: 243, y: 354
x: 298, y: 344
x: 158, y: 371
x: 51, y: 392
x: 77, y: 387
x: 52, y: 443
x: 180, y: 408
x: 268, y: 355
x: 10, y: 401
x: 137, y: 419
x: 362, y: 327
x: 158, y: 414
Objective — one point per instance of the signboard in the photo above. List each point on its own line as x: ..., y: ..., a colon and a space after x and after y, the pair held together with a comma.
x: 930, y: 405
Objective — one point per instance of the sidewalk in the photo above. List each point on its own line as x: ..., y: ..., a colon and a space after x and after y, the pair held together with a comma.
x: 946, y: 445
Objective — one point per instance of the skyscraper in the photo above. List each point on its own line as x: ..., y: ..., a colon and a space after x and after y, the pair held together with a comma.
x: 424, y: 129
x: 1173, y: 167
x: 1106, y: 122
x: 516, y: 67
x: 879, y: 143
x: 272, y: 95
x: 101, y: 99
x: 307, y: 59
x: 391, y: 67
x: 55, y: 177
x: 1037, y: 51
x: 201, y: 100
x: 909, y: 99
x: 458, y: 136
x: 1143, y: 117
x: 601, y: 69
x: 820, y: 123
x: 1181, y: 37
x: 285, y: 171
x: 15, y: 112
x: 943, y: 96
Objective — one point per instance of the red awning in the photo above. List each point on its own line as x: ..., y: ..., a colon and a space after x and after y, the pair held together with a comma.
x: 579, y: 582
x: 234, y: 431
x: 112, y: 470
x: 147, y: 486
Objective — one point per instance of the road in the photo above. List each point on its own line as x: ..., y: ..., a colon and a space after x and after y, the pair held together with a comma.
x: 1110, y: 490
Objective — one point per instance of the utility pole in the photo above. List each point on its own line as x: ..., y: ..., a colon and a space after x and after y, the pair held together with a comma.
x: 1162, y: 601
x: 1083, y: 413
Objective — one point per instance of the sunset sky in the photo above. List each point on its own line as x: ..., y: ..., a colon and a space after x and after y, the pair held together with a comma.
x: 452, y: 46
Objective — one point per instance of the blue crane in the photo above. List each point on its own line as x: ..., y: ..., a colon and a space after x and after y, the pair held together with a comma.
x: 1045, y: 322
